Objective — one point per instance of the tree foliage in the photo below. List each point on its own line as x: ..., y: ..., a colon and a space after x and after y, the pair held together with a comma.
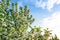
x: 15, y: 22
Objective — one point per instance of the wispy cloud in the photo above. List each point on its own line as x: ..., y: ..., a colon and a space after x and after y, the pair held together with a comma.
x: 47, y: 4
x: 40, y: 4
x: 52, y: 22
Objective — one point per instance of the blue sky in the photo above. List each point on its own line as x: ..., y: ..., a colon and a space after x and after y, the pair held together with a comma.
x: 45, y: 12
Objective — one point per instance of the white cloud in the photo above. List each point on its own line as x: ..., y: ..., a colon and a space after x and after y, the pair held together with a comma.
x: 49, y: 4
x: 52, y: 22
x: 40, y: 4
x: 58, y: 2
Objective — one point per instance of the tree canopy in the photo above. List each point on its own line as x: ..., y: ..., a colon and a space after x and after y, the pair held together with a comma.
x: 14, y: 24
